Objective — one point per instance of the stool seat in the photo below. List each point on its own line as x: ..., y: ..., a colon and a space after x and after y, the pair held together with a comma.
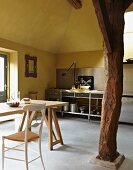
x: 20, y: 136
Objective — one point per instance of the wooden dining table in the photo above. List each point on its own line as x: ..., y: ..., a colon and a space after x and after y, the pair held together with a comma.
x: 54, y: 134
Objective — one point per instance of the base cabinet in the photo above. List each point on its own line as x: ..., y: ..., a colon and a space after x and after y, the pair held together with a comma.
x: 127, y: 110
x: 86, y: 104
x: 89, y: 104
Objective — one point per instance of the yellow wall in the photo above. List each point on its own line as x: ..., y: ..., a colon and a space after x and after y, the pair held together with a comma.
x: 55, y: 26
x: 46, y: 70
x: 46, y: 66
x: 83, y: 59
x: 13, y: 76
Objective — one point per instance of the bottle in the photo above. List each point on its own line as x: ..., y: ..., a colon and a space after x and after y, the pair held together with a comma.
x: 18, y: 96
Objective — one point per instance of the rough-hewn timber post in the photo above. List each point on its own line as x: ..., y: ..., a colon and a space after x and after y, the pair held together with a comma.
x: 111, y: 106
x: 113, y: 87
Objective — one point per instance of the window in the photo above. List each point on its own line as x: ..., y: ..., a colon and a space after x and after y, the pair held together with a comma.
x: 3, y: 77
x: 128, y: 36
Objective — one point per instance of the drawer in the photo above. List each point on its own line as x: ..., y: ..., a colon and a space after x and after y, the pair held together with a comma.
x: 96, y: 95
x: 51, y: 96
x: 53, y: 92
x: 67, y: 94
x: 86, y: 95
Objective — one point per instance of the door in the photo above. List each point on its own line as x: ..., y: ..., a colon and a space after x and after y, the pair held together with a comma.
x: 3, y: 77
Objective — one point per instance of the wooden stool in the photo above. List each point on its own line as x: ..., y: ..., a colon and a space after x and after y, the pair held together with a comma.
x: 33, y: 94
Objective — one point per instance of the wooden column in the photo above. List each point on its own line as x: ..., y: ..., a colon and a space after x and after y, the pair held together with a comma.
x: 110, y: 14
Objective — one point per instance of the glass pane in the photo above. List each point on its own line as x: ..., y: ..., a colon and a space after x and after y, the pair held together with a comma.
x: 128, y: 36
x: 128, y: 22
x: 1, y: 74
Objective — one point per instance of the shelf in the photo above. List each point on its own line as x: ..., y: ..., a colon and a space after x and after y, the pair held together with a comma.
x: 82, y: 97
x: 84, y: 114
x: 94, y: 115
x: 95, y: 106
x: 77, y: 113
x: 68, y: 97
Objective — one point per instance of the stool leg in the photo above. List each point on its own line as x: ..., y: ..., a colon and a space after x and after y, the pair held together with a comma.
x: 26, y: 155
x: 40, y: 151
x: 3, y: 145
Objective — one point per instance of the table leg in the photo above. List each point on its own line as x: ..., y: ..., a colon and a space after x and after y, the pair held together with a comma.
x: 46, y: 121
x: 50, y: 129
x: 57, y: 127
x: 22, y: 122
x: 52, y: 139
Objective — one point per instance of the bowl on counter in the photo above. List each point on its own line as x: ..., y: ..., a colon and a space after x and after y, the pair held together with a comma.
x: 13, y: 104
x: 82, y: 109
x: 26, y: 101
x: 85, y: 87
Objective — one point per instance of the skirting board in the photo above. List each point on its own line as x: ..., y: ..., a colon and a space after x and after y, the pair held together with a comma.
x: 106, y: 164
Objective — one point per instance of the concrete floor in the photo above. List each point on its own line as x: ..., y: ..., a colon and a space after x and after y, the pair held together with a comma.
x: 80, y: 145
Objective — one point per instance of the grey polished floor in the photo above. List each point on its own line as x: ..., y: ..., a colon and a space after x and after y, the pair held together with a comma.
x: 80, y: 145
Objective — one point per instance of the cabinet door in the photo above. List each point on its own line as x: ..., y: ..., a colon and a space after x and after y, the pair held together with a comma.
x: 127, y: 110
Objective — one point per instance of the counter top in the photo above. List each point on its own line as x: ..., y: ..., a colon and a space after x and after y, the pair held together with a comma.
x: 83, y: 91
x: 94, y: 92
x: 86, y: 91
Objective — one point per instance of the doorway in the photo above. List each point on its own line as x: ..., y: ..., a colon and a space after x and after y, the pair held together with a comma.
x: 3, y: 78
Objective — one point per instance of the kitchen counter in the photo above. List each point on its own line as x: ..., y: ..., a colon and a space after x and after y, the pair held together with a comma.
x: 59, y: 92
x: 77, y: 95
x: 83, y: 91
x: 94, y: 92
x: 79, y: 98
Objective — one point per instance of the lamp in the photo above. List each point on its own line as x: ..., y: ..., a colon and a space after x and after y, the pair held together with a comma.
x: 74, y: 71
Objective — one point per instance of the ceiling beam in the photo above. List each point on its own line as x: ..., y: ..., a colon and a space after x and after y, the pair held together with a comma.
x: 104, y: 22
x: 127, y: 3
x: 77, y: 4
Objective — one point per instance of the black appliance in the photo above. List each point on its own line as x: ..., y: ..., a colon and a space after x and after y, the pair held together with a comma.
x: 86, y: 81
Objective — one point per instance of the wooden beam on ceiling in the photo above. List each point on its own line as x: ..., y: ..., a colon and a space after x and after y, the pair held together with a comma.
x: 104, y: 22
x: 77, y: 4
x: 127, y: 3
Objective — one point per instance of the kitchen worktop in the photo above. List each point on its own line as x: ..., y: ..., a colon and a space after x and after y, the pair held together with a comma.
x: 92, y: 100
x: 125, y: 94
x: 83, y: 91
